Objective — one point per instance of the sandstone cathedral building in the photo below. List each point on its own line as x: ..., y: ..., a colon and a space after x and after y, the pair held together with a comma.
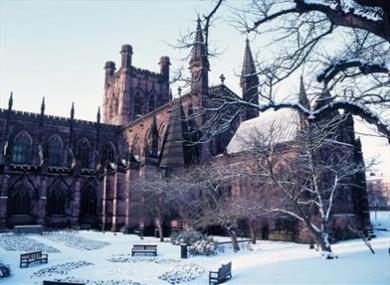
x: 66, y: 172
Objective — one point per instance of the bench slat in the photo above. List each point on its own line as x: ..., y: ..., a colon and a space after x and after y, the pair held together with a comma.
x: 27, y: 258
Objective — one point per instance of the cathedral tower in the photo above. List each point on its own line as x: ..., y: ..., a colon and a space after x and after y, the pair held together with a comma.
x: 132, y: 92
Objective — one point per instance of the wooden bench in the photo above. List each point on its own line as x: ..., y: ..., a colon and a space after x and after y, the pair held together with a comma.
x: 224, y: 273
x: 28, y: 229
x: 144, y: 248
x: 60, y: 283
x: 27, y: 258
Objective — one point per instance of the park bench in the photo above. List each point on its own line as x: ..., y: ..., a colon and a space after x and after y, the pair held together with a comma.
x: 46, y: 282
x: 144, y: 248
x: 28, y: 229
x: 224, y: 273
x: 27, y: 258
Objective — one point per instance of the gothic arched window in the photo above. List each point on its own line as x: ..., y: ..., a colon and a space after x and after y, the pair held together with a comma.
x: 55, y: 151
x: 22, y: 149
x: 83, y: 153
x: 108, y: 153
x: 135, y: 149
x: 152, y: 102
x: 56, y: 199
x: 161, y: 135
x: 138, y: 104
x: 20, y: 199
x: 88, y: 202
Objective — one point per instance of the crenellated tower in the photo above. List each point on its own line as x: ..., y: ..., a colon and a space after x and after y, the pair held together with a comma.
x: 249, y: 83
x: 131, y: 92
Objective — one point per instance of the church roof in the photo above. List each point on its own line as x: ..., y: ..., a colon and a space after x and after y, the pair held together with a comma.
x: 279, y: 126
x: 172, y: 153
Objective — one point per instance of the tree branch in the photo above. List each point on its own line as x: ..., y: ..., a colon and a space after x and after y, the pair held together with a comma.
x: 342, y: 65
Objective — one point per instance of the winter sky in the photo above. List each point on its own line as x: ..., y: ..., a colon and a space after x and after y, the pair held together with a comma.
x: 57, y: 50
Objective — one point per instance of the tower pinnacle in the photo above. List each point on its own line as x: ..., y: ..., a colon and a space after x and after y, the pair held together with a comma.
x: 198, y: 54
x: 249, y: 84
x: 248, y: 66
x: 199, y: 64
x: 302, y: 96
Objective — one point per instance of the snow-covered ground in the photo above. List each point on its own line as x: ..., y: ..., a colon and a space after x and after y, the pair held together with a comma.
x: 105, y: 259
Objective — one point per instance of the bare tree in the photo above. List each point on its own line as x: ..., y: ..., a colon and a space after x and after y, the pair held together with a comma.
x: 214, y: 203
x: 307, y: 176
x: 154, y: 194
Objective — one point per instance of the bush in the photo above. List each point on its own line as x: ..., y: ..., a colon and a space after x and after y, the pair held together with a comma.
x: 5, y: 271
x: 202, y: 247
x: 198, y: 243
x: 189, y: 237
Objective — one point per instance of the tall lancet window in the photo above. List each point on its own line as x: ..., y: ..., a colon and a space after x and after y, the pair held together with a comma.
x: 108, y: 153
x: 55, y: 151
x: 22, y: 149
x: 57, y: 199
x: 83, y: 153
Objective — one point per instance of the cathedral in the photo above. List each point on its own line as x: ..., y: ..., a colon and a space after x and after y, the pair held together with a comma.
x: 66, y: 172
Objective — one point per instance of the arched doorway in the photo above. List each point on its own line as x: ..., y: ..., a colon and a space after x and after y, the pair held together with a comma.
x: 20, y: 204
x: 58, y: 200
x: 88, y: 206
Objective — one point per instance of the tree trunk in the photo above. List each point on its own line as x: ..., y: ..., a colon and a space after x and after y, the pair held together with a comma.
x: 233, y: 236
x: 322, y: 238
x: 323, y: 241
x: 326, y: 250
x: 252, y: 232
x: 160, y: 230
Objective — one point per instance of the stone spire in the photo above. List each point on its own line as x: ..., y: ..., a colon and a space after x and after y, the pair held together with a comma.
x: 248, y: 66
x: 199, y: 64
x: 42, y: 111
x: 10, y: 101
x: 324, y: 99
x: 302, y: 96
x: 304, y: 101
x: 43, y: 106
x: 348, y: 129
x: 172, y: 154
x: 98, y: 116
x: 198, y: 53
x: 72, y: 112
x: 249, y: 83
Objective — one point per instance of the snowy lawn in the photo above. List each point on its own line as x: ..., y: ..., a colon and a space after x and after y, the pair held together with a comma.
x: 107, y: 261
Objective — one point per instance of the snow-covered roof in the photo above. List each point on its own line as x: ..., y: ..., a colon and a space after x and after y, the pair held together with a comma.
x: 279, y: 126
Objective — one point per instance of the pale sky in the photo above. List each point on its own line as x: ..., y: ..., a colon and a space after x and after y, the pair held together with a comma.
x: 57, y: 50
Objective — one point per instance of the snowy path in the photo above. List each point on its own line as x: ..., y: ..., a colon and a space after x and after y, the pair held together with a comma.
x: 268, y: 263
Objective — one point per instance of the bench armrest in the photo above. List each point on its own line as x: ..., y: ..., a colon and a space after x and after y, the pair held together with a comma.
x: 213, y: 272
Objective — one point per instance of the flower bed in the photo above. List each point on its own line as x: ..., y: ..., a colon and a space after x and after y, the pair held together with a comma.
x: 127, y: 258
x: 182, y: 273
x: 14, y: 242
x: 73, y: 239
x: 63, y: 268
